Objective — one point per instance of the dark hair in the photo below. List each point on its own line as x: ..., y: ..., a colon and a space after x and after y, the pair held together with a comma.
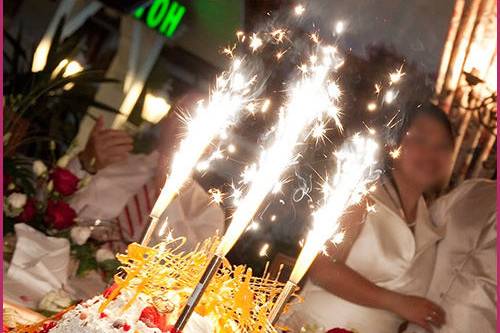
x: 396, y: 134
x: 396, y: 131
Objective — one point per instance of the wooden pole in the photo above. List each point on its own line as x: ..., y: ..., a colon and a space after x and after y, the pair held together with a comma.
x: 448, y: 46
x: 457, y: 59
x: 484, y: 154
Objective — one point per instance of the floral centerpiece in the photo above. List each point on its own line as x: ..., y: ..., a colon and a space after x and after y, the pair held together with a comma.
x: 37, y: 195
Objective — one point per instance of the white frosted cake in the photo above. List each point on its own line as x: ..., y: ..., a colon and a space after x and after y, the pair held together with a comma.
x: 140, y: 316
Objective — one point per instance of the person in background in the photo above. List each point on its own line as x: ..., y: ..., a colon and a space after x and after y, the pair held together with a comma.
x: 376, y: 279
x: 465, y: 278
x: 124, y: 186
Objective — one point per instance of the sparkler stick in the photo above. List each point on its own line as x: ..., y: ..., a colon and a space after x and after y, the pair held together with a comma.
x: 226, y: 101
x: 355, y: 166
x: 313, y: 95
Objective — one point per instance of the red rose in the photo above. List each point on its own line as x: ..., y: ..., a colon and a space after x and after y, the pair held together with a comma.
x: 59, y: 214
x: 48, y: 326
x: 65, y: 182
x: 153, y: 318
x: 339, y: 330
x: 6, y: 328
x: 28, y: 212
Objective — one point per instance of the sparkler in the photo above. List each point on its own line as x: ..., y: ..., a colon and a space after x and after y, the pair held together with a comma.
x: 355, y: 166
x: 232, y: 90
x: 312, y: 96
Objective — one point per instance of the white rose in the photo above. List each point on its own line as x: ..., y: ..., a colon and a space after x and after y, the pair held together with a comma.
x: 17, y: 200
x: 39, y: 168
x: 79, y: 235
x: 104, y: 254
x: 55, y: 301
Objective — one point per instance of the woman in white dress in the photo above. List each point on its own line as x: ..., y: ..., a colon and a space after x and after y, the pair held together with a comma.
x: 374, y: 281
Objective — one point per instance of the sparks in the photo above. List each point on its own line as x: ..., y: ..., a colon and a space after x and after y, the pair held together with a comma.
x: 338, y: 238
x: 231, y: 148
x: 372, y: 131
x: 318, y: 132
x: 339, y: 27
x: 280, y: 54
x: 370, y: 208
x: 278, y: 35
x: 236, y: 194
x: 240, y: 36
x: 314, y: 37
x: 253, y: 226
x: 299, y: 10
x: 263, y: 250
x: 372, y: 106
x: 229, y: 51
x: 334, y: 90
x: 255, y: 42
x: 390, y: 96
x: 205, y: 164
x: 273, y: 218
x: 378, y: 88
x: 216, y: 195
x: 395, y: 153
x: 248, y: 173
x: 303, y: 68
x: 265, y: 105
x: 396, y: 76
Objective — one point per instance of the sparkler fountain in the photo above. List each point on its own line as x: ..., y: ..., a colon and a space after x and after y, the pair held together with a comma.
x: 355, y: 166
x: 313, y: 96
x: 232, y: 91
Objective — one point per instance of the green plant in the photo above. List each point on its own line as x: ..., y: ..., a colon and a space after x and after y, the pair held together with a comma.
x: 37, y: 107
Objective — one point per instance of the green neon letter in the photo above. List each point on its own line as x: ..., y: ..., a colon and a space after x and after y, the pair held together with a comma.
x: 138, y: 12
x: 172, y: 20
x: 157, y: 12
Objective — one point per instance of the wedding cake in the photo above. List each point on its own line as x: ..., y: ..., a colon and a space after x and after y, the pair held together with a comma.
x: 153, y: 285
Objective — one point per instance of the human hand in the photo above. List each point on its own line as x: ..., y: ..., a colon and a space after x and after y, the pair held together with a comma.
x: 420, y: 311
x: 105, y: 147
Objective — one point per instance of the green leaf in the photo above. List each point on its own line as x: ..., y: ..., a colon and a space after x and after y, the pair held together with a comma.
x: 109, y: 267
x: 46, y: 313
x: 86, y: 256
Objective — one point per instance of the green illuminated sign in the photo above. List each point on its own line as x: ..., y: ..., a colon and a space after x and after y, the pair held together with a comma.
x: 163, y: 16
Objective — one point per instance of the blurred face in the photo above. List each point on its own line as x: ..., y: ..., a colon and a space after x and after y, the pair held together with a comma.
x: 425, y: 153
